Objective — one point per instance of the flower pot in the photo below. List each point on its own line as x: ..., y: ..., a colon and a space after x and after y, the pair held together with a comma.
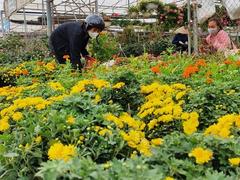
x: 152, y: 6
x: 146, y: 14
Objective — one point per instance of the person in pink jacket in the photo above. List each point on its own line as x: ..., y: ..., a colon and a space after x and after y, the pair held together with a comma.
x: 218, y: 40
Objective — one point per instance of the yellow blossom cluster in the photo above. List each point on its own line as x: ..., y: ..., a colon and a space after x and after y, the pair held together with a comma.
x: 12, y: 92
x: 71, y: 120
x: 223, y: 127
x: 134, y: 135
x: 38, y: 139
x: 81, y: 85
x: 51, y: 66
x: 4, y: 124
x: 58, y: 151
x: 30, y: 102
x: 234, y: 161
x: 169, y: 178
x: 17, y: 116
x: 164, y: 103
x: 19, y: 70
x: 97, y: 99
x: 102, y: 131
x: 201, y: 155
x: 190, y: 122
x: 56, y: 86
x: 118, y: 85
x: 136, y: 139
x: 125, y: 119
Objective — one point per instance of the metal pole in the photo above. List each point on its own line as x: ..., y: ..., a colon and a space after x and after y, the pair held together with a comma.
x: 43, y: 15
x: 25, y: 22
x: 96, y: 6
x: 3, y: 31
x: 195, y: 28
x: 49, y: 17
x: 128, y: 4
x: 189, y: 28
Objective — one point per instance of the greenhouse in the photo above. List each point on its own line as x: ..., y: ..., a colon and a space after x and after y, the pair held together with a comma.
x: 120, y: 89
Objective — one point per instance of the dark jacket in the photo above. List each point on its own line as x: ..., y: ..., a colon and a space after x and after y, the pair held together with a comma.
x: 70, y: 38
x: 183, y: 38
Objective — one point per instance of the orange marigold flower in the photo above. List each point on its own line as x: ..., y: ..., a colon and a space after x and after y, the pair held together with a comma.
x: 227, y: 62
x: 155, y: 69
x: 163, y: 64
x: 201, y: 62
x: 209, y: 80
x: 35, y: 80
x: 40, y: 63
x: 190, y: 70
x: 238, y: 63
x: 66, y: 57
x: 25, y: 72
x: 208, y: 74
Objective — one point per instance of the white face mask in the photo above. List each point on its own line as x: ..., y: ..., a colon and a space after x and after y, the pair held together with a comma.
x: 212, y: 31
x: 93, y: 35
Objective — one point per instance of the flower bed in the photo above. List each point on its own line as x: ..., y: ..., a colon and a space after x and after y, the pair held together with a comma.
x: 170, y: 117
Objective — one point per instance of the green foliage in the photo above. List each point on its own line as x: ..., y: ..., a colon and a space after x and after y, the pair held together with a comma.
x: 174, y: 152
x: 104, y: 48
x: 15, y: 48
x: 125, y: 22
x: 212, y: 102
x: 170, y: 159
x: 159, y: 46
x: 129, y: 97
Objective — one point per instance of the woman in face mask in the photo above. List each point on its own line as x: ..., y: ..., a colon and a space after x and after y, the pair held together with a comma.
x: 72, y: 38
x: 218, y: 40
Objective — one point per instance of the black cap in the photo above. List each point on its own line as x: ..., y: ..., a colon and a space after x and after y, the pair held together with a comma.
x: 95, y: 21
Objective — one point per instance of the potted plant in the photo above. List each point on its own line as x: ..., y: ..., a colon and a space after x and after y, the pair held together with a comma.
x: 133, y: 11
x: 149, y: 5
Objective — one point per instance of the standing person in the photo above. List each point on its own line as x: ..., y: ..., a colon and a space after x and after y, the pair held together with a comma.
x: 72, y: 38
x: 180, y: 40
x: 218, y: 40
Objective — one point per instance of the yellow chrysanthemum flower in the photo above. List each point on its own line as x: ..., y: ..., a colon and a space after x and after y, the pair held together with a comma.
x: 201, y: 155
x: 70, y: 120
x: 169, y: 178
x: 17, y: 116
x: 97, y: 99
x: 56, y: 86
x: 105, y: 131
x: 58, y: 151
x: 157, y: 141
x: 4, y: 125
x: 118, y: 85
x: 38, y: 139
x: 234, y: 161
